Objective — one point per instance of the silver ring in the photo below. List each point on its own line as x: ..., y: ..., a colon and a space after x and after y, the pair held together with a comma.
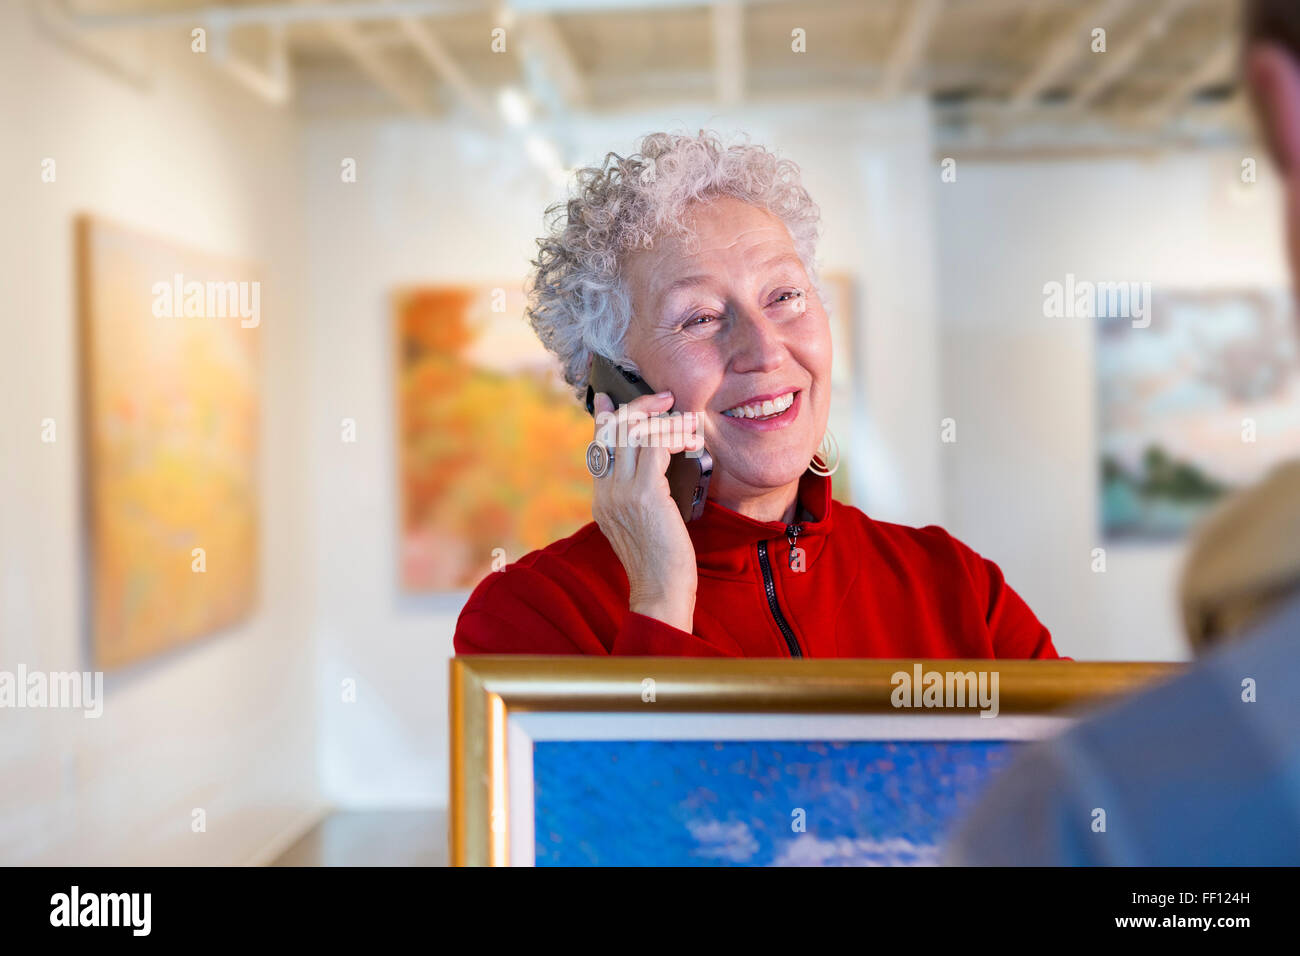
x: 600, y: 459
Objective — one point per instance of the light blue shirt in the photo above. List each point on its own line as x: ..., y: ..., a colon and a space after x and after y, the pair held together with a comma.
x: 1188, y: 773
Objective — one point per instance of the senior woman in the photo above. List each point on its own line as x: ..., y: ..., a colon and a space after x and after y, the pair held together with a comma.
x: 692, y: 264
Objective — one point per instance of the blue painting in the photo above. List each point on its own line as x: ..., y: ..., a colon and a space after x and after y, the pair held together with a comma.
x: 755, y: 803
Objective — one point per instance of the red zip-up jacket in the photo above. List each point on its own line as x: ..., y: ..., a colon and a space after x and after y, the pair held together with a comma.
x: 867, y: 589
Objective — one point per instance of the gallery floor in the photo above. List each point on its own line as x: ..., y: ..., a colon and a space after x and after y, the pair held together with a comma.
x: 373, y: 838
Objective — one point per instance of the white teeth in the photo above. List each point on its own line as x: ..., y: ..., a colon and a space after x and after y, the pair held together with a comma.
x: 774, y: 406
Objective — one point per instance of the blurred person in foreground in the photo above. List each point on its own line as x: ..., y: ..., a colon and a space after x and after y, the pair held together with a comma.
x: 693, y: 265
x: 1204, y: 769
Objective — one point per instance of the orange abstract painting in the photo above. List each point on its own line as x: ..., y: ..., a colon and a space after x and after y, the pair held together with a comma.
x: 490, y: 440
x: 169, y: 357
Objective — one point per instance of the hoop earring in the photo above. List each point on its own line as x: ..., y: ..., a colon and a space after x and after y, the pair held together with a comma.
x: 827, y: 459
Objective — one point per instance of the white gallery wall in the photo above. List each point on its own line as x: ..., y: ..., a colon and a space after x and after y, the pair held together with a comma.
x: 1020, y: 482
x: 225, y: 725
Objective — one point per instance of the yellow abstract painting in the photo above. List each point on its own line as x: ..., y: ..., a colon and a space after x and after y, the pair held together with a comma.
x: 490, y: 440
x: 169, y: 370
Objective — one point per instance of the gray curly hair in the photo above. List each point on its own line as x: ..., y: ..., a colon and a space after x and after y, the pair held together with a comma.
x: 578, y: 302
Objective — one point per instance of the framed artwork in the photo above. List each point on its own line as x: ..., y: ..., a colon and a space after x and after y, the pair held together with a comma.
x: 170, y: 395
x: 674, y: 761
x: 1203, y: 400
x: 490, y: 440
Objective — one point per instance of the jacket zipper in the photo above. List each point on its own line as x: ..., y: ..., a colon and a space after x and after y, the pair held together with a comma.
x: 770, y: 587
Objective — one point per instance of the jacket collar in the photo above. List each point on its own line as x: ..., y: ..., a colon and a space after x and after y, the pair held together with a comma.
x: 725, y: 541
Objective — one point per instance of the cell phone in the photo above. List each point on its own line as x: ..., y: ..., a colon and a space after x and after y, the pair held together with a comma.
x: 688, y: 474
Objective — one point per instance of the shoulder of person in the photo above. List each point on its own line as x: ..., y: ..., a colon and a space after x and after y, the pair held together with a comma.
x: 1215, y: 698
x: 1145, y: 761
x: 1207, y: 701
x: 1033, y: 813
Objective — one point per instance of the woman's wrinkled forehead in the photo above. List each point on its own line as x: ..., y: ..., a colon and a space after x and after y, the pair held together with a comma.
x: 733, y: 235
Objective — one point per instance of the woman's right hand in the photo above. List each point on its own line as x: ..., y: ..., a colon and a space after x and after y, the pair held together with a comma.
x: 634, y: 506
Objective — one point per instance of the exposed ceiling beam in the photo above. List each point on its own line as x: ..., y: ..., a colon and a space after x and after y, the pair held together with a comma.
x: 550, y: 63
x: 609, y: 6
x: 57, y: 24
x: 373, y: 63
x: 1072, y: 43
x: 273, y: 83
x: 1073, y: 152
x: 293, y: 11
x: 552, y: 78
x: 442, y: 63
x: 1115, y: 63
x: 1218, y: 67
x: 911, y: 44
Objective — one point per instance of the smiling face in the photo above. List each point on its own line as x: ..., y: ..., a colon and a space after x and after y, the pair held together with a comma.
x: 736, y: 331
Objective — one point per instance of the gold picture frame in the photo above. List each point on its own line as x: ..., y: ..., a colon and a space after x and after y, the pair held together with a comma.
x: 488, y: 691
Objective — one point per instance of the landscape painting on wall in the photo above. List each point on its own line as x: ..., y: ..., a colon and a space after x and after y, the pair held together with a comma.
x: 169, y: 369
x: 1202, y: 401
x: 491, y: 441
